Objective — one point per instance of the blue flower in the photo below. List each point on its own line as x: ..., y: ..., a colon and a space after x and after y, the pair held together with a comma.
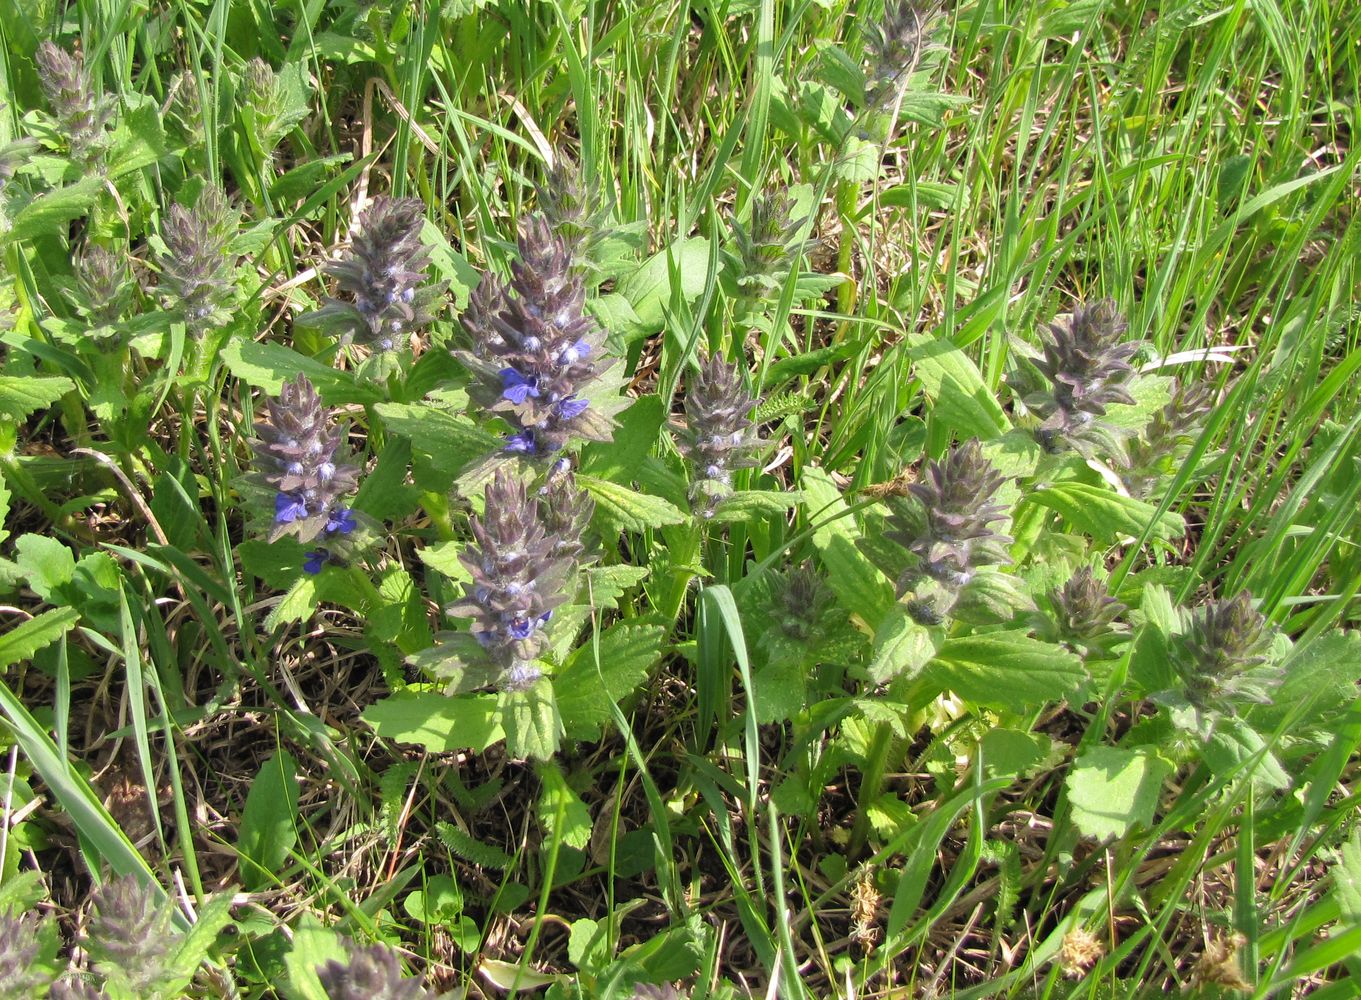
x: 315, y: 560
x: 288, y: 508
x: 521, y: 628
x: 575, y: 353
x: 517, y: 388
x: 340, y: 522
x: 522, y: 443
x: 571, y: 407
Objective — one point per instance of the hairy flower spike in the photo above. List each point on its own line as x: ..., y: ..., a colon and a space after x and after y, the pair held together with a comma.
x: 949, y: 533
x: 20, y: 975
x: 575, y: 211
x: 372, y: 973
x: 536, y: 353
x: 518, y: 579
x: 198, y: 270
x: 765, y: 249
x: 567, y: 514
x: 296, y: 450
x: 129, y: 935
x: 272, y: 115
x: 82, y: 117
x: 802, y: 598
x: 1153, y: 454
x: 385, y: 275
x: 718, y: 434
x: 1088, y: 368
x: 894, y: 46
x: 103, y: 285
x: 1221, y: 661
x: 1085, y: 615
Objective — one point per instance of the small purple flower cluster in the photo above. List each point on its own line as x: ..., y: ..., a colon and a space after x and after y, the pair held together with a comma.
x: 520, y: 570
x: 718, y: 434
x: 949, y: 533
x: 198, y: 270
x: 82, y: 116
x: 385, y: 275
x: 296, y: 450
x: 535, y: 352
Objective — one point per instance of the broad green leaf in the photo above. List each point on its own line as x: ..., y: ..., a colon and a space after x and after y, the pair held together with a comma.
x: 439, y: 902
x: 1005, y: 670
x: 451, y: 442
x: 627, y: 650
x: 443, y: 557
x: 859, y: 585
x: 22, y: 641
x: 268, y: 828
x: 1234, y: 746
x: 902, y: 647
x: 952, y: 382
x: 49, y: 213
x: 649, y: 290
x: 49, y: 566
x: 298, y: 603
x: 533, y: 726
x: 751, y: 505
x: 1346, y: 877
x: 1112, y: 789
x: 1105, y: 514
x: 21, y: 395
x: 268, y: 366
x: 1318, y: 679
x: 588, y: 945
x: 618, y: 459
x: 624, y: 508
x: 438, y: 722
x: 561, y: 810
x: 313, y: 946
x: 1011, y: 752
x: 602, y: 586
x: 139, y: 141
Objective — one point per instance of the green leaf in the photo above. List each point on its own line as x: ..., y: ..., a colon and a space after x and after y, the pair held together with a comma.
x: 780, y: 690
x: 1005, y: 670
x: 313, y: 946
x: 626, y: 509
x: 1317, y: 679
x: 753, y: 505
x: 859, y: 585
x: 1234, y: 746
x: 1012, y: 752
x: 616, y: 314
x: 561, y: 810
x: 588, y: 945
x: 21, y: 642
x: 461, y: 844
x: 650, y: 289
x: 619, y: 459
x: 1105, y: 514
x: 451, y: 442
x: 962, y: 400
x: 268, y: 366
x: 49, y: 213
x: 269, y: 822
x: 1346, y: 877
x: 21, y: 395
x: 294, y: 606
x: 443, y: 558
x: 437, y: 722
x: 49, y: 567
x: 213, y: 917
x: 602, y: 586
x: 902, y: 647
x: 533, y: 726
x: 627, y: 651
x: 1112, y: 789
x: 439, y: 902
x: 138, y: 142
